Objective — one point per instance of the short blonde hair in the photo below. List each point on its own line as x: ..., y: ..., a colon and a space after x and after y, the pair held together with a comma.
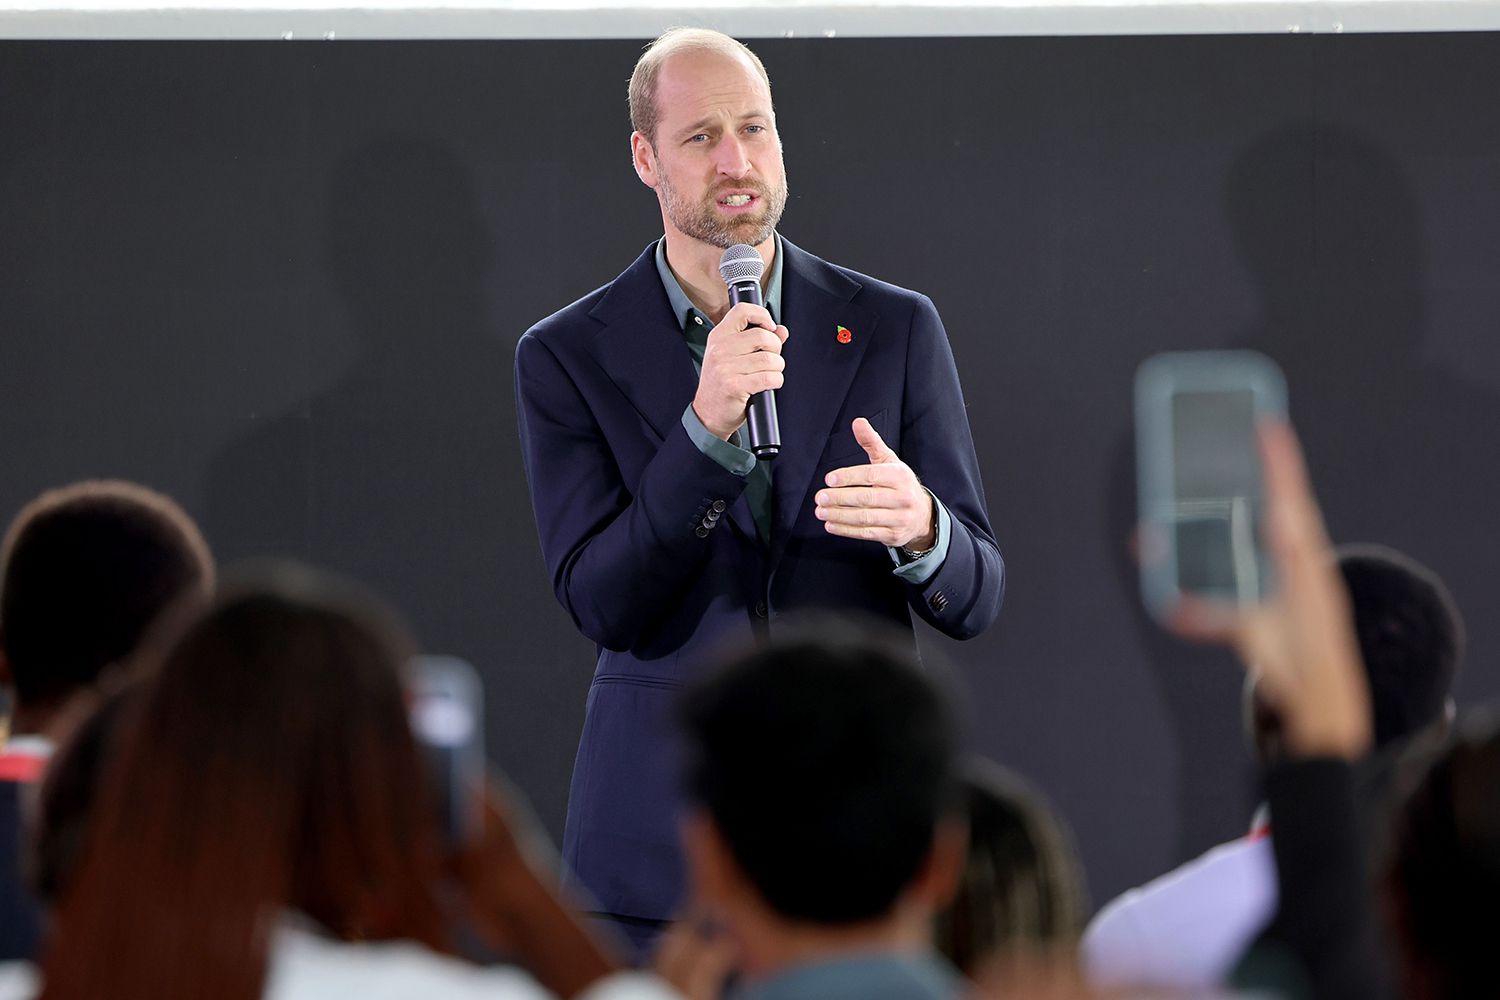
x: 645, y: 115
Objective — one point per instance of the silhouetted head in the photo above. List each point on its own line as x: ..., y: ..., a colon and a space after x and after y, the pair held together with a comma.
x: 1445, y: 869
x: 820, y: 768
x: 88, y: 569
x: 1411, y: 639
x: 268, y: 768
x: 1022, y: 885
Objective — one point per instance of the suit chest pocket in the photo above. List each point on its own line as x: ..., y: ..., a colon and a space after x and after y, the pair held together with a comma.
x: 842, y: 450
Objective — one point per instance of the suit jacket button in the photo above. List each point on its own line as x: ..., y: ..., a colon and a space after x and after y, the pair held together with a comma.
x: 938, y: 602
x: 701, y: 531
x: 719, y: 506
x: 760, y: 609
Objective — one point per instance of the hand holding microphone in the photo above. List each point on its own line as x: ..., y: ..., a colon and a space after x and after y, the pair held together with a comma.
x: 742, y: 365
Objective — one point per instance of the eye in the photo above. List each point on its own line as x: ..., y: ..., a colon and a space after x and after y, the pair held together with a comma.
x: 700, y: 138
x: 755, y: 129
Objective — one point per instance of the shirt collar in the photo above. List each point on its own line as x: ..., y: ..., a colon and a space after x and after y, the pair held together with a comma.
x: 682, y: 306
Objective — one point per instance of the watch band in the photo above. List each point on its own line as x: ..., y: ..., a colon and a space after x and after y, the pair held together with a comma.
x: 912, y: 555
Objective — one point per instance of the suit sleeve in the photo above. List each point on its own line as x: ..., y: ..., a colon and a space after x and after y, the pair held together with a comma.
x: 963, y: 597
x: 619, y: 553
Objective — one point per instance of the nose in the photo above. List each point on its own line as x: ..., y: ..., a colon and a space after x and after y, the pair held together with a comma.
x: 732, y: 160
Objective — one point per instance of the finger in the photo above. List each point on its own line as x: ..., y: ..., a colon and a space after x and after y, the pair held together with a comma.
x: 864, y: 532
x: 863, y: 496
x: 888, y: 475
x: 863, y: 517
x: 754, y: 341
x: 870, y: 441
x: 752, y: 382
x: 724, y: 342
x: 747, y: 315
x: 1296, y: 535
x: 783, y: 333
x: 760, y: 361
x: 1294, y: 521
x: 1198, y: 620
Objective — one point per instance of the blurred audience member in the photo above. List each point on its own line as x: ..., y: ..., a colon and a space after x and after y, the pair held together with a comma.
x: 1301, y: 642
x: 265, y: 829
x: 69, y: 793
x: 1187, y: 928
x: 1444, y: 874
x: 826, y: 824
x: 1022, y: 888
x: 88, y: 569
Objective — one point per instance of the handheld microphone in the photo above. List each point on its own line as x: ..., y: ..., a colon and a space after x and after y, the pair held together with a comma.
x: 741, y: 267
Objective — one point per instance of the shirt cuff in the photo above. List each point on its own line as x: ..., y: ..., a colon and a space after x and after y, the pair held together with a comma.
x: 734, y: 459
x: 921, y: 570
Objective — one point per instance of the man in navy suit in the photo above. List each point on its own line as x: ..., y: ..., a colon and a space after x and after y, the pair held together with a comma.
x: 665, y: 538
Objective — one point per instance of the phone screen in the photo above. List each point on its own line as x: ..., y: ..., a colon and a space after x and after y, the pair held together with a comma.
x: 446, y: 709
x: 1216, y: 494
x: 1199, y: 475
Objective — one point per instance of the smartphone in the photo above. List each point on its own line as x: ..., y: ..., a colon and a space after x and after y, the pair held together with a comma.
x: 446, y: 705
x: 1198, y: 475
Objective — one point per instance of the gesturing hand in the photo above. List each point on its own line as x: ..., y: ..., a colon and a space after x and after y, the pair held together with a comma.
x: 743, y: 357
x: 882, y: 501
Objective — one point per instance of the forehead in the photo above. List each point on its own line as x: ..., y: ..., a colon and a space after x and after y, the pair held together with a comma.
x: 702, y: 83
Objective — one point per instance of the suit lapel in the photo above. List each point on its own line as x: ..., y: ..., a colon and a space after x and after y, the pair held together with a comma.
x: 819, y: 371
x: 642, y: 350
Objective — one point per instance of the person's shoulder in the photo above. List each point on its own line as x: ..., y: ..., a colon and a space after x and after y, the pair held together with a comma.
x: 19, y: 981
x: 580, y: 318
x: 1178, y: 925
x: 569, y: 322
x: 1221, y: 871
x: 306, y: 965
x: 858, y: 283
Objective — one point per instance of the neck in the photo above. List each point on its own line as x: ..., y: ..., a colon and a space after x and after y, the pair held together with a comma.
x: 770, y: 946
x: 696, y: 267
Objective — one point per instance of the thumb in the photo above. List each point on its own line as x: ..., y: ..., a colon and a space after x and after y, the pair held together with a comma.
x: 871, y: 442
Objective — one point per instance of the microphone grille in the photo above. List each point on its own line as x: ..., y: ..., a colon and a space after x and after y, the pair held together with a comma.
x: 741, y: 262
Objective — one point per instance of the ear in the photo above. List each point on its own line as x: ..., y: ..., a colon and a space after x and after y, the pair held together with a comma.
x: 644, y: 159
x: 939, y: 877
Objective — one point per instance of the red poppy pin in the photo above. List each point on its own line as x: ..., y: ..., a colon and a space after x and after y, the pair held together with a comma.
x: 844, y: 335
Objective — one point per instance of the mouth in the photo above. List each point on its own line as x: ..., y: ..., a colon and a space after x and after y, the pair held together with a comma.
x: 738, y: 201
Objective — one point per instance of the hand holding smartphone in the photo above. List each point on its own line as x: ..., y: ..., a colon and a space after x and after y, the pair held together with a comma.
x: 1200, y: 483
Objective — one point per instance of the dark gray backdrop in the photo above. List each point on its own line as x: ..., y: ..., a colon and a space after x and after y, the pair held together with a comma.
x: 283, y: 282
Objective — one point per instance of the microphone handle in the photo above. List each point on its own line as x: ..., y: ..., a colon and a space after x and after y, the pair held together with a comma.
x: 760, y: 414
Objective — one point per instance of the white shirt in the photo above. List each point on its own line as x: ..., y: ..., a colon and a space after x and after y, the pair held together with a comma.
x: 1188, y: 928
x: 307, y: 966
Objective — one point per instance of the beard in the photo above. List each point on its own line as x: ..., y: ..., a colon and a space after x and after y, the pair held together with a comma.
x: 702, y: 221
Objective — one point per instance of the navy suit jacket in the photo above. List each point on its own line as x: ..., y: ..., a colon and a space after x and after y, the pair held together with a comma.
x: 651, y: 546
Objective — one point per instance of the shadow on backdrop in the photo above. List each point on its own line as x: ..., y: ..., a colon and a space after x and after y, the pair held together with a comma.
x: 401, y: 473
x: 1329, y: 229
